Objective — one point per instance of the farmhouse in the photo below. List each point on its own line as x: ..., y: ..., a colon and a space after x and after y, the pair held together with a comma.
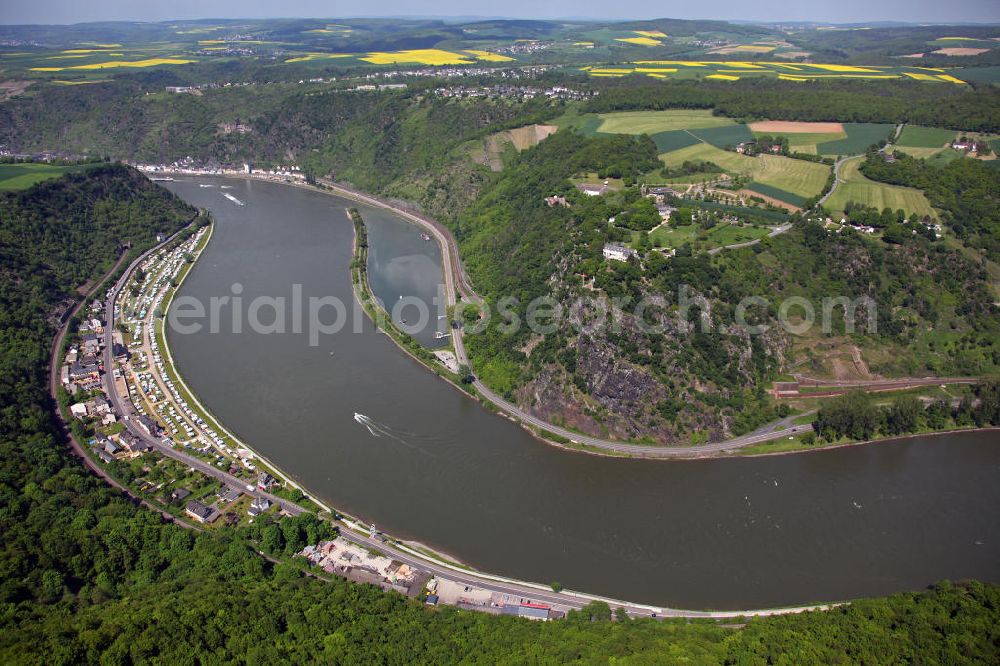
x: 618, y: 252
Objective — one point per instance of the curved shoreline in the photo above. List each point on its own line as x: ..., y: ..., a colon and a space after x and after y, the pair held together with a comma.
x: 439, y: 564
x: 453, y: 273
x: 877, y: 440
x: 169, y: 359
x: 453, y: 566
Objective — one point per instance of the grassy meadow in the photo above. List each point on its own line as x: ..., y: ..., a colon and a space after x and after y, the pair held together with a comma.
x: 653, y: 122
x: 859, y: 189
x: 23, y: 176
x: 914, y: 136
x: 796, y: 177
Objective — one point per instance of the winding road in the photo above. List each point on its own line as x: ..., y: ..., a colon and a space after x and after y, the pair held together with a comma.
x: 777, y: 231
x: 836, y: 179
x: 455, y: 274
x: 515, y: 589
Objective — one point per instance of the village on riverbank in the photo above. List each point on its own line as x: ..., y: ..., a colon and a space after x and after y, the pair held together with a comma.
x: 121, y: 396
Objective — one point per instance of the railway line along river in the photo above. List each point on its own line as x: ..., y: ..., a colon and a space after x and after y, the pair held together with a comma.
x: 423, y: 462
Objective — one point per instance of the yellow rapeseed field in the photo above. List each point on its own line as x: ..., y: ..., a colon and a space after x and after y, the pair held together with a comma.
x: 920, y: 76
x: 419, y: 56
x: 317, y: 56
x: 949, y: 78
x: 685, y: 63
x: 150, y: 62
x: 845, y: 68
x: 748, y: 48
x: 731, y: 70
x: 641, y: 41
x: 649, y: 33
x: 488, y: 56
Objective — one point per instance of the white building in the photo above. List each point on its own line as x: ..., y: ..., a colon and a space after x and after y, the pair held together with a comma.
x: 618, y: 252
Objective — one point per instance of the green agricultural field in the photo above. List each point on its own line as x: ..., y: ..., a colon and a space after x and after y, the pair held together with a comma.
x: 730, y: 135
x: 798, y: 177
x: 703, y: 177
x: 732, y: 162
x: 674, y: 140
x: 982, y: 74
x: 586, y: 123
x: 923, y: 153
x: 806, y: 179
x: 774, y: 192
x: 859, y: 189
x: 859, y: 137
x: 964, y: 42
x: 653, y: 122
x: 805, y: 142
x: 914, y: 136
x: 23, y: 176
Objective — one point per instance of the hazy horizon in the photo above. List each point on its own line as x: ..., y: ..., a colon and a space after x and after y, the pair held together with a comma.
x: 58, y: 12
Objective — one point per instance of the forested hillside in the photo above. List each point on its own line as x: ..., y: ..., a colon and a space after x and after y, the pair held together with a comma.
x: 841, y: 101
x: 968, y: 191
x: 90, y: 577
x: 681, y: 382
x: 409, y: 144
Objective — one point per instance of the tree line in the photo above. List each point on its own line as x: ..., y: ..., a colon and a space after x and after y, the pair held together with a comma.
x: 945, y: 105
x: 856, y: 416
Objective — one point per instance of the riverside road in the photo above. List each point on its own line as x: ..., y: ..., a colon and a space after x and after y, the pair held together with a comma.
x: 517, y: 589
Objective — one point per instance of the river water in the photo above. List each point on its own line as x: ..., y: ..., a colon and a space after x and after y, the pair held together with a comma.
x: 427, y: 463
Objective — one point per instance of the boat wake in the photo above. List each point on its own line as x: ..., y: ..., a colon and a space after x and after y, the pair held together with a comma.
x: 382, y: 430
x: 233, y: 199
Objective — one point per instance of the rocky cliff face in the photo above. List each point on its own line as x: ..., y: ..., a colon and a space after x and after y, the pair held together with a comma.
x: 626, y: 383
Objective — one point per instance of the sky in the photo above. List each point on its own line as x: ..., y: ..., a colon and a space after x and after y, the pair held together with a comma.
x: 839, y: 11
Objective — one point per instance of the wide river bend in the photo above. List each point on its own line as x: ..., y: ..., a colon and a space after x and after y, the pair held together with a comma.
x: 428, y: 464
